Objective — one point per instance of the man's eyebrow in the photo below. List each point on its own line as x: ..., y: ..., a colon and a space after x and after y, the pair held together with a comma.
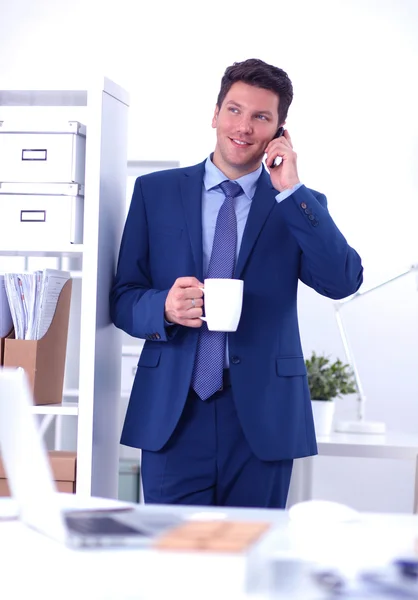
x: 260, y: 112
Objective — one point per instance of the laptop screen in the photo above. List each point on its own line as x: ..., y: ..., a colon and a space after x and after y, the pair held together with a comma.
x: 25, y: 457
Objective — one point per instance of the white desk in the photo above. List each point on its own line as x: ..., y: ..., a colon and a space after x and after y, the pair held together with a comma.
x: 391, y: 445
x: 37, y: 567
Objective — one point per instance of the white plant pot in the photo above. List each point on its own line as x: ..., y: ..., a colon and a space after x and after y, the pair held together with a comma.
x: 323, y: 414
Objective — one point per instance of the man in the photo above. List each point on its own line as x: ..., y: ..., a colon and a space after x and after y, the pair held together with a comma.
x: 222, y: 428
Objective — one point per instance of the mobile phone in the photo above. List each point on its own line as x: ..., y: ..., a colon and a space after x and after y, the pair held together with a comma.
x: 279, y: 133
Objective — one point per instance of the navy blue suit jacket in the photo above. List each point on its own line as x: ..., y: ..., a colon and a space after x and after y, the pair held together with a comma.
x: 162, y: 240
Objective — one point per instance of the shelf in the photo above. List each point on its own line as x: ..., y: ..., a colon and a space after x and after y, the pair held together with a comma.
x: 133, y: 350
x: 76, y: 274
x: 74, y: 394
x: 44, y: 95
x: 43, y: 98
x: 70, y: 393
x: 70, y: 250
x: 64, y: 409
x: 94, y: 346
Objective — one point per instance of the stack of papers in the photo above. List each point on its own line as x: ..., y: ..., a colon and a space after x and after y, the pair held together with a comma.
x: 6, y: 322
x: 32, y: 299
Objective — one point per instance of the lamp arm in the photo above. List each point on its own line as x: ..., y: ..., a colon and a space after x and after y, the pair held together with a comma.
x: 411, y: 269
x: 350, y: 359
x: 349, y: 355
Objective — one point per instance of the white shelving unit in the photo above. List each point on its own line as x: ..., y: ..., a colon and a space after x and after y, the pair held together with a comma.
x: 64, y: 409
x: 93, y: 368
x: 70, y: 251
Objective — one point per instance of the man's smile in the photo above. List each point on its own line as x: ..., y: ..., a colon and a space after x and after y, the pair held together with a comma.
x: 240, y: 143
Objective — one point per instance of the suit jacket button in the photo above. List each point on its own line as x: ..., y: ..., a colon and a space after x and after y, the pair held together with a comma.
x: 303, y: 205
x: 235, y: 360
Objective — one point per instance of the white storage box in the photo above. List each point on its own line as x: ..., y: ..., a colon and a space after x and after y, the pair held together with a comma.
x: 54, y: 156
x: 52, y: 217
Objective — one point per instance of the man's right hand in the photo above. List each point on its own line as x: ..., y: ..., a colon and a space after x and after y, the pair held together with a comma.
x: 184, y: 302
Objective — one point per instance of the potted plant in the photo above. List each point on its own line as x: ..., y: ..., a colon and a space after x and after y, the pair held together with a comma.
x: 327, y: 380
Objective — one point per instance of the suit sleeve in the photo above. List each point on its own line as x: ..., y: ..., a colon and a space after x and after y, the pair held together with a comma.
x: 328, y: 264
x: 135, y: 306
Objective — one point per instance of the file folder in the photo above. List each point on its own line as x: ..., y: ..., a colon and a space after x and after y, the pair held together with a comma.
x: 44, y: 360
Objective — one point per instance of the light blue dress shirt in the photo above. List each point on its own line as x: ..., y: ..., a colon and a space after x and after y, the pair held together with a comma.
x: 212, y: 200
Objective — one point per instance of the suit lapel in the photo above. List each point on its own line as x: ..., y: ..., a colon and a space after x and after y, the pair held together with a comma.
x: 191, y: 195
x: 261, y: 206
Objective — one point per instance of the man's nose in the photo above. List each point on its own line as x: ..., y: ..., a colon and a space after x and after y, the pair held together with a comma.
x: 245, y: 125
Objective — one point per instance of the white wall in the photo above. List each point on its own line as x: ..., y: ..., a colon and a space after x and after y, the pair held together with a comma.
x: 353, y: 122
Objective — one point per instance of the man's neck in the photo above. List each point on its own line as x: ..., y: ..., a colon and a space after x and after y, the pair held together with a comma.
x: 233, y: 172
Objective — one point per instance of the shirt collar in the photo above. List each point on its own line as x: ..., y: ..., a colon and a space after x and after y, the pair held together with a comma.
x: 214, y: 176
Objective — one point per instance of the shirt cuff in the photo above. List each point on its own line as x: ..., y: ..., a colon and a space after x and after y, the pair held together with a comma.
x: 286, y: 193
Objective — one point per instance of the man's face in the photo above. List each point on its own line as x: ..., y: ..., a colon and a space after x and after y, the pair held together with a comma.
x: 245, y: 123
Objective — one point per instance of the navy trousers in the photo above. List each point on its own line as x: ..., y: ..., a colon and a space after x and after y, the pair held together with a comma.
x: 208, y: 462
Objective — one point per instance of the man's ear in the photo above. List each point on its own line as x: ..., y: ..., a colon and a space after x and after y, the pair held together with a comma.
x: 215, y: 117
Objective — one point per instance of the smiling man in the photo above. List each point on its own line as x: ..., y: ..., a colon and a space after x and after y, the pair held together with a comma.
x: 220, y: 417
x: 246, y: 119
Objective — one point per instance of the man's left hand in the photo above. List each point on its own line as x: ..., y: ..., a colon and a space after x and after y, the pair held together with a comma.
x: 285, y: 175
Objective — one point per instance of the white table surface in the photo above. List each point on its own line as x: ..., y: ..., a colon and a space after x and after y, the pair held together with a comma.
x: 37, y: 567
x: 389, y: 445
x: 392, y: 445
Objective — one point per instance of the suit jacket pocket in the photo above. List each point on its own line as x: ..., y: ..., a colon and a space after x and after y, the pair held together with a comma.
x: 290, y: 366
x: 150, y: 357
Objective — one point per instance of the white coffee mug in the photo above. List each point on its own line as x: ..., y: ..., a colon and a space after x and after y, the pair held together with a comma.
x: 222, y: 303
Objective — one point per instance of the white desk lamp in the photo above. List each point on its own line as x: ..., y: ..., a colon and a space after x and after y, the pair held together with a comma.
x: 360, y: 425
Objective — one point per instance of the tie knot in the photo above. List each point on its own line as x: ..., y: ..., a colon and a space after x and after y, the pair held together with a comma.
x: 231, y: 189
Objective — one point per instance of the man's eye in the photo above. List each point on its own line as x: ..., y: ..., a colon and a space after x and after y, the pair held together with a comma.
x: 233, y: 109
x: 262, y: 117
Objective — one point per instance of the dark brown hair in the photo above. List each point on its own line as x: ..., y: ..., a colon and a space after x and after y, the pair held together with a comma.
x: 259, y: 74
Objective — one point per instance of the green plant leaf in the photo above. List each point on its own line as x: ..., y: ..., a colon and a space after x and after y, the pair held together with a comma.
x: 328, y: 380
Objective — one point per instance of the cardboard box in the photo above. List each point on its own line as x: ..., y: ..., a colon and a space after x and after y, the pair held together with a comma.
x: 64, y: 469
x: 1, y: 350
x: 214, y: 550
x: 44, y: 360
x: 213, y: 536
x: 11, y: 335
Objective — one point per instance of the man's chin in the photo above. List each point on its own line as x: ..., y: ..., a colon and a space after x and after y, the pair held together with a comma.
x: 241, y: 165
x: 242, y: 156
x: 246, y: 165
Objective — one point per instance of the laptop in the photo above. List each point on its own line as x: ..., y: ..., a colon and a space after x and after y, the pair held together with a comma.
x: 33, y: 488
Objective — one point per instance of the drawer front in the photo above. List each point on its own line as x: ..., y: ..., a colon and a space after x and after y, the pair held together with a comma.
x: 36, y: 219
x: 42, y: 157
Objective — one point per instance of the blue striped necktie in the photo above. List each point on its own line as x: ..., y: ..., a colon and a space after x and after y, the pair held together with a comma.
x: 210, y: 355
